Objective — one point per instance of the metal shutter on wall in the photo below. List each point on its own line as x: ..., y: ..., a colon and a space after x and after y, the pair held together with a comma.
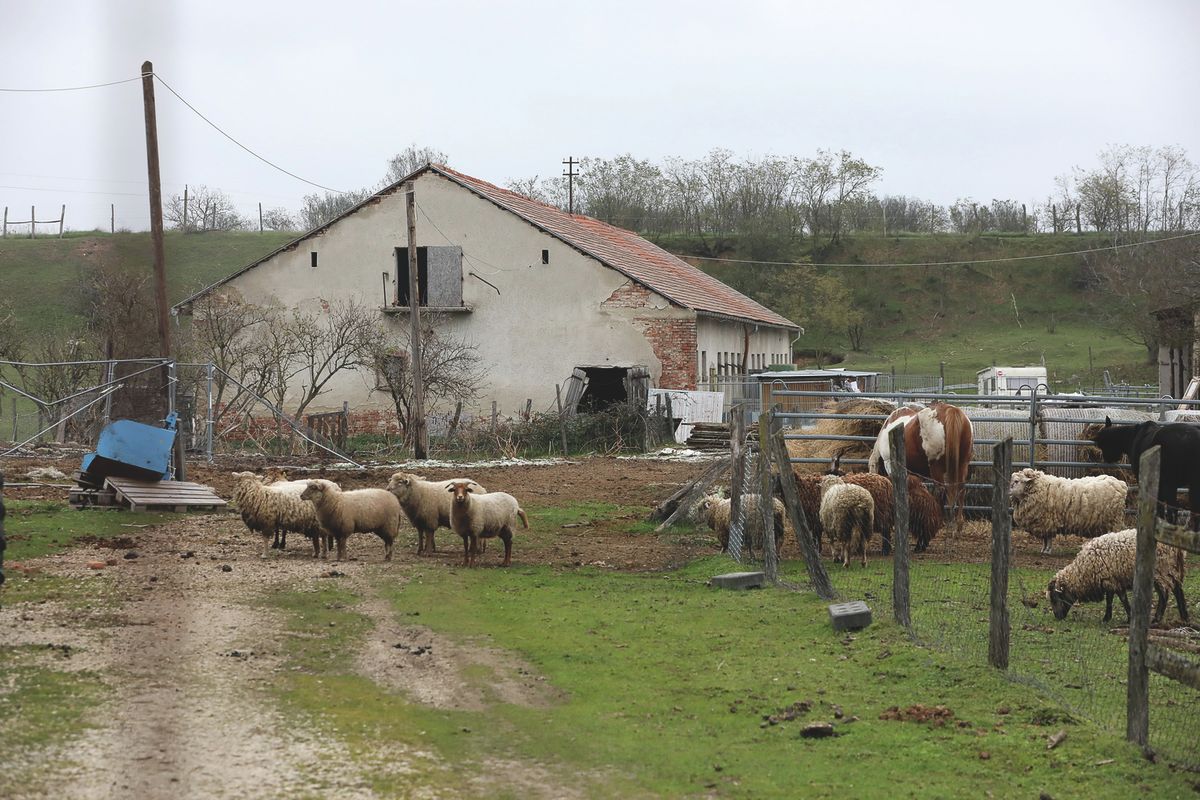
x: 445, y: 277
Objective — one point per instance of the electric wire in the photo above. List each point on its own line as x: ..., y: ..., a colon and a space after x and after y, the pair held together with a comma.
x: 70, y: 88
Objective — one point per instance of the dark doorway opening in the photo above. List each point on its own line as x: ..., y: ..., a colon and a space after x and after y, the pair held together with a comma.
x: 606, y: 386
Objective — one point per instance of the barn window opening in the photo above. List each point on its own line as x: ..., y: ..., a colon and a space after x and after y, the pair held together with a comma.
x: 545, y: 256
x: 605, y: 387
x: 313, y: 257
x: 439, y: 277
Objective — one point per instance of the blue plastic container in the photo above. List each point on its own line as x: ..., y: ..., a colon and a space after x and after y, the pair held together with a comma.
x: 129, y: 449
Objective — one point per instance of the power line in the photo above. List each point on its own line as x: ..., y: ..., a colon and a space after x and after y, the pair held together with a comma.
x: 962, y: 263
x: 74, y: 191
x: 218, y: 129
x: 74, y: 88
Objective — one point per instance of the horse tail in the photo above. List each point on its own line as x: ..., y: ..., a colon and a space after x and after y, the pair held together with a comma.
x: 959, y: 443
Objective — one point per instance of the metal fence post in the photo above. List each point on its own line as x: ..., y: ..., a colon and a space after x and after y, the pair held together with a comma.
x: 766, y: 507
x: 1137, y: 713
x: 1033, y: 417
x: 109, y: 377
x: 999, y: 627
x: 209, y: 421
x: 737, y: 451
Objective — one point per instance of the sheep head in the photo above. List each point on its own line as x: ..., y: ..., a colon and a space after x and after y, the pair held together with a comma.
x: 460, y: 490
x: 400, y: 480
x: 1061, y: 599
x: 314, y: 492
x: 828, y: 481
x: 1019, y: 483
x: 245, y: 477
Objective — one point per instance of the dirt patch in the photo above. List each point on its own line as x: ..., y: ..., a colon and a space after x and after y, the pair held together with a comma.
x: 432, y: 669
x: 938, y: 716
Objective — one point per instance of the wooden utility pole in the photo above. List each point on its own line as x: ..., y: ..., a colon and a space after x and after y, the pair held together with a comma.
x: 570, y: 163
x: 160, y: 257
x: 260, y: 225
x: 185, y: 204
x: 420, y: 439
x: 112, y: 217
x: 156, y: 222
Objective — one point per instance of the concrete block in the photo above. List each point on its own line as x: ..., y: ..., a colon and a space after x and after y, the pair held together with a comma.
x: 739, y: 580
x: 849, y: 616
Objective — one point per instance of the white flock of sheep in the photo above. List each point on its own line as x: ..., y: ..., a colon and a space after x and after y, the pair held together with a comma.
x: 327, y: 515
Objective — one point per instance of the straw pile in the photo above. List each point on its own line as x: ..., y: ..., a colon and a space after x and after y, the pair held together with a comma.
x: 812, y: 448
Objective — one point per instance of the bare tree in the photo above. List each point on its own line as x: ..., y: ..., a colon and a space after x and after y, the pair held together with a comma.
x: 451, y: 367
x: 342, y: 336
x: 411, y: 159
x: 207, y: 210
x: 278, y: 219
x: 319, y: 209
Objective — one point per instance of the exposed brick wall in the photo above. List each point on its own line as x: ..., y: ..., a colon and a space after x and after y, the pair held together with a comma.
x: 674, y: 342
x: 630, y: 295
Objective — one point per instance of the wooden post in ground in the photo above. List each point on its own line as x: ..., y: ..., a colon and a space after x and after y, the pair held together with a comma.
x: 562, y: 420
x: 112, y: 217
x: 185, y: 208
x: 767, y: 508
x: 4, y: 230
x: 999, y: 627
x: 670, y: 421
x: 62, y: 217
x: 1137, y: 712
x: 32, y: 220
x: 898, y: 470
x: 817, y: 575
x: 737, y: 452
x: 495, y: 416
x: 260, y: 224
x: 420, y: 436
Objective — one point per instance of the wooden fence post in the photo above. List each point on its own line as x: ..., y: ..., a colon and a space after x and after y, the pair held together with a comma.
x: 766, y: 423
x: 61, y: 219
x: 737, y: 451
x: 1137, y: 713
x: 562, y: 420
x: 817, y: 575
x: 999, y: 627
x: 898, y: 470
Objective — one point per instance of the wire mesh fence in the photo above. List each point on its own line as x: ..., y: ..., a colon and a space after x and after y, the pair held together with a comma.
x: 1079, y: 664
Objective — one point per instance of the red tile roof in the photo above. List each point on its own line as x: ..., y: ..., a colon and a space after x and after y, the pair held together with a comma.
x: 627, y: 253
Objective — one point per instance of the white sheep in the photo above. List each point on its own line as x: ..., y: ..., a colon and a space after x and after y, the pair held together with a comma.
x: 268, y: 510
x: 476, y: 516
x: 716, y: 511
x: 357, y: 511
x: 426, y: 504
x: 847, y: 514
x: 1105, y: 566
x: 1045, y: 505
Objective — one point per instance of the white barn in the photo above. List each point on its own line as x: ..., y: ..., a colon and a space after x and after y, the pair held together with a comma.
x: 540, y: 292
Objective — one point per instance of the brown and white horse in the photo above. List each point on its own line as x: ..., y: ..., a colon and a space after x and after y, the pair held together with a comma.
x: 938, y: 441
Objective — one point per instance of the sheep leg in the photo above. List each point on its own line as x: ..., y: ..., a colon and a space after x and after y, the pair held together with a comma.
x: 1108, y: 596
x: 466, y: 537
x: 267, y: 536
x: 387, y: 548
x: 1161, y: 593
x: 316, y: 543
x: 1124, y: 598
x: 506, y: 537
x: 341, y: 547
x: 1046, y: 548
x: 1177, y: 589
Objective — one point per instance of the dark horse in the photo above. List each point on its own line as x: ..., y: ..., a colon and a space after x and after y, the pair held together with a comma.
x: 1180, y: 442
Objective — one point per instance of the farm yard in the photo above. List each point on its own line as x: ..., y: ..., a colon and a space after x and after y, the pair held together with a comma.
x: 599, y: 664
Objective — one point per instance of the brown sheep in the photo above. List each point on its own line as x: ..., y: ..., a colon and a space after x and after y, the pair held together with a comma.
x: 480, y: 516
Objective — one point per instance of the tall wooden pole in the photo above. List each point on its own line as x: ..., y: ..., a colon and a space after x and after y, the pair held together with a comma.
x: 160, y: 257
x: 420, y: 440
x: 156, y: 221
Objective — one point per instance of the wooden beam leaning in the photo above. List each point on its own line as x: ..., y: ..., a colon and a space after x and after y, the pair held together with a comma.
x: 817, y: 575
x: 1137, y: 712
x: 1173, y: 665
x: 999, y: 627
x: 898, y: 470
x: 694, y: 492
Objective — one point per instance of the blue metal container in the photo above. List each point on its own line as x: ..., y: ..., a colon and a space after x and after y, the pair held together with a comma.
x: 129, y: 449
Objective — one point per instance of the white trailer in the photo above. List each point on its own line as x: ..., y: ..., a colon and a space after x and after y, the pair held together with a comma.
x: 1009, y: 381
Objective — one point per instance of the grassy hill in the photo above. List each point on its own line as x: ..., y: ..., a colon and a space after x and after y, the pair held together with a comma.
x: 40, y: 276
x: 968, y: 316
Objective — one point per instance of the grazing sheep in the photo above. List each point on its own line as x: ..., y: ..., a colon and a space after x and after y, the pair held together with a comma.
x: 358, y: 511
x: 716, y: 511
x: 426, y: 504
x: 848, y: 515
x: 267, y: 510
x: 1105, y: 566
x: 1046, y: 505
x: 475, y: 516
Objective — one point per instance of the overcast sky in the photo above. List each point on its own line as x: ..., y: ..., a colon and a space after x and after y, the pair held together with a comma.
x: 952, y: 99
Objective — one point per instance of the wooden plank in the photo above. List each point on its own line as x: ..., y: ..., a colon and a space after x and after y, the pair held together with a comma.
x: 898, y: 470
x: 1173, y: 665
x: 1177, y: 536
x: 694, y: 493
x: 791, y: 500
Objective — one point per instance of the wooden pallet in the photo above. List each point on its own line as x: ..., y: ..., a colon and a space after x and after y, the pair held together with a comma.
x: 86, y: 498
x: 176, y: 496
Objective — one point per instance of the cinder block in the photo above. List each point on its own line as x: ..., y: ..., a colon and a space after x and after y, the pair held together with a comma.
x: 739, y: 580
x: 850, y: 616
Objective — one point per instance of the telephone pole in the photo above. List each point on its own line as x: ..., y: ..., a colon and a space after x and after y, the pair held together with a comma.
x: 570, y: 174
x: 417, y: 422
x: 156, y: 222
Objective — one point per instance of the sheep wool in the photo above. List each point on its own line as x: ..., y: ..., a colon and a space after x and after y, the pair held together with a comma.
x: 426, y: 504
x: 848, y: 515
x: 716, y: 511
x: 1104, y: 567
x: 357, y: 511
x: 1047, y: 505
x: 267, y: 510
x: 476, y: 516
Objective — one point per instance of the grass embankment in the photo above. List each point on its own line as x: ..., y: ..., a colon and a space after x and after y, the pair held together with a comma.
x: 41, y: 277
x: 667, y: 683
